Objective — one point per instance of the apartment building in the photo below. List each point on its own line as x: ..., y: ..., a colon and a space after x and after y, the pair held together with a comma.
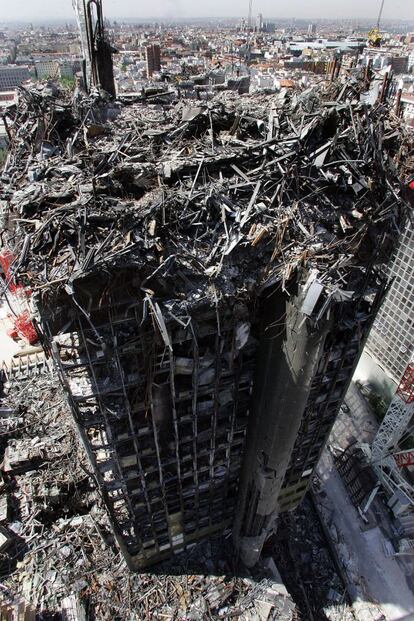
x: 12, y: 76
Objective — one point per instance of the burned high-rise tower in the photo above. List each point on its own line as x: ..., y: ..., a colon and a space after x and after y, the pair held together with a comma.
x: 204, y: 278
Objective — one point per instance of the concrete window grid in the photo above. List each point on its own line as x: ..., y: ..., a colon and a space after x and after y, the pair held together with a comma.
x: 391, y: 338
x: 10, y: 77
x: 318, y: 419
x: 203, y: 501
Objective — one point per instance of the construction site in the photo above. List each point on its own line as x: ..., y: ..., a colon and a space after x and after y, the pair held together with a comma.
x: 193, y: 283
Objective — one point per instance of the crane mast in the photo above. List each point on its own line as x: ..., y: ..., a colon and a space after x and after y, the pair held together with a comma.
x: 380, y: 13
x: 374, y: 35
x: 249, y: 26
x: 387, y: 459
x: 96, y: 50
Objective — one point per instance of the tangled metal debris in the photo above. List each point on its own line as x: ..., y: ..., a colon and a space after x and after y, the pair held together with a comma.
x: 237, y: 193
x: 148, y: 234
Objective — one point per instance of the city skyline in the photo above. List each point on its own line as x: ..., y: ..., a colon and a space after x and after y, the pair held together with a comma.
x: 28, y: 10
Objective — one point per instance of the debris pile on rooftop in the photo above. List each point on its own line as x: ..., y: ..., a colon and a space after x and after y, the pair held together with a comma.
x: 235, y: 193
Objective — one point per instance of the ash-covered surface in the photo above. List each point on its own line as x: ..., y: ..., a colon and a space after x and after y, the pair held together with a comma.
x: 202, y: 200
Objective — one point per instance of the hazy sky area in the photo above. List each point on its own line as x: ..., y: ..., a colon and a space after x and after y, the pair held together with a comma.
x: 167, y: 9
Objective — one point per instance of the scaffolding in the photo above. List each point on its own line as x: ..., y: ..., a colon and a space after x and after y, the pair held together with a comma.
x: 385, y: 450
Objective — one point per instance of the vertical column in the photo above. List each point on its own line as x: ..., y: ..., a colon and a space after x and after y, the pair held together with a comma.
x: 288, y: 356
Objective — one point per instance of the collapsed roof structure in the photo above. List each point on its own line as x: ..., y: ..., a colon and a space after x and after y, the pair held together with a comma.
x: 204, y: 277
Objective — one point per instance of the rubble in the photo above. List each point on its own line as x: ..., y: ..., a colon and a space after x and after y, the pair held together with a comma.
x: 58, y: 555
x: 180, y: 190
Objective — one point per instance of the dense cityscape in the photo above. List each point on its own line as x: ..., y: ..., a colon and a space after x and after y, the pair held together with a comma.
x: 201, y: 58
x: 206, y: 318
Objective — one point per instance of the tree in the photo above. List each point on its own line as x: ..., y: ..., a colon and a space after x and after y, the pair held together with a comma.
x: 67, y: 82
